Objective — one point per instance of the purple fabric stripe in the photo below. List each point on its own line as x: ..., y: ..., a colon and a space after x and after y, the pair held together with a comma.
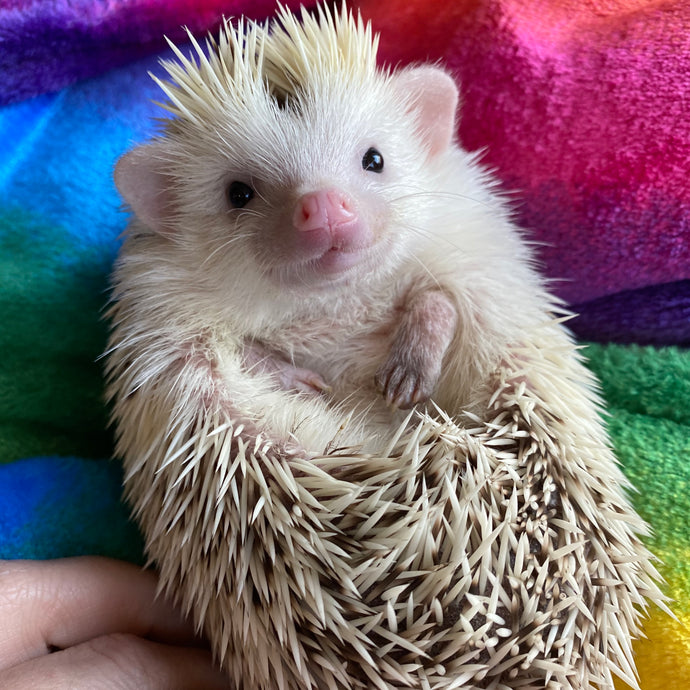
x: 653, y: 315
x: 45, y: 46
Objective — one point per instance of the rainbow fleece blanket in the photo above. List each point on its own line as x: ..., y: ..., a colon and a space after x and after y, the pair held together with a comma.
x: 580, y: 107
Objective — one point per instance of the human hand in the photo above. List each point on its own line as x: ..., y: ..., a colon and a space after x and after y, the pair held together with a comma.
x: 95, y: 623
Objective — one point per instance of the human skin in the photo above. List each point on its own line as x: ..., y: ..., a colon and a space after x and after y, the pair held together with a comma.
x: 93, y: 622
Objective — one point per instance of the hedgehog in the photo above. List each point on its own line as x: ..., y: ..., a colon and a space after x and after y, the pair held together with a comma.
x: 361, y: 445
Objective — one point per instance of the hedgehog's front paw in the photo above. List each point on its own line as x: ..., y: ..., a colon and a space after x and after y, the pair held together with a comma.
x: 405, y: 380
x: 413, y: 367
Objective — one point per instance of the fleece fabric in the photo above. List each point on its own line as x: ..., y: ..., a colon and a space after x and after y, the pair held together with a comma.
x: 578, y: 106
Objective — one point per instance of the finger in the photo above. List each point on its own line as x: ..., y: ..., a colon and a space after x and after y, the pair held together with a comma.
x: 117, y: 662
x: 61, y: 603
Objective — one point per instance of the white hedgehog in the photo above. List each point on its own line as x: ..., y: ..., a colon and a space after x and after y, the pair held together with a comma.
x: 312, y: 252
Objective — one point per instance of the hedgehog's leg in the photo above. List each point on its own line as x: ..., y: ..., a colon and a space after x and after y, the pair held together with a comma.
x: 411, y: 371
x: 258, y: 358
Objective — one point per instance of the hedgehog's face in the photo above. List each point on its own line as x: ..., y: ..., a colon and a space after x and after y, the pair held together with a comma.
x: 316, y: 194
x: 322, y: 233
x: 320, y: 216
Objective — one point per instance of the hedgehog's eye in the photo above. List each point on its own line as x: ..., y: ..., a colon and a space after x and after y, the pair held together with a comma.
x: 372, y: 161
x: 240, y: 194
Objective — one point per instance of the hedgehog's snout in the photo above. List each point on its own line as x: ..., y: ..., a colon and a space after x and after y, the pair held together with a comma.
x: 327, y: 209
x: 328, y: 222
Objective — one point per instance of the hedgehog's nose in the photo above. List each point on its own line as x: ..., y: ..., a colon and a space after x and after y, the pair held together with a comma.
x: 324, y: 209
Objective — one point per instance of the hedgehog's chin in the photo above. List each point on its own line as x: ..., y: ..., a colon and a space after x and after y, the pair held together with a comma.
x: 336, y: 261
x: 335, y: 268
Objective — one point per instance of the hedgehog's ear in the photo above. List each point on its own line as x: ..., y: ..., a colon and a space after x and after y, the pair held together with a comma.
x: 140, y: 178
x: 433, y: 100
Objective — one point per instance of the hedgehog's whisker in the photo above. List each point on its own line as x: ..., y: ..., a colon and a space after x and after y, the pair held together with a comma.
x: 427, y: 270
x: 232, y: 240
x: 427, y: 234
x: 440, y: 195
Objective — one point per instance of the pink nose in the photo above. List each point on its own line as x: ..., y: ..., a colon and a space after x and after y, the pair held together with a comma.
x: 324, y: 209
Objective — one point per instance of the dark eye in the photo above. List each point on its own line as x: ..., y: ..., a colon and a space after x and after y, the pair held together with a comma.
x: 372, y: 161
x: 240, y: 194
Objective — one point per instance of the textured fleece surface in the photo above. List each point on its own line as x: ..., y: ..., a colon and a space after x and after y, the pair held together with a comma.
x: 579, y: 108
